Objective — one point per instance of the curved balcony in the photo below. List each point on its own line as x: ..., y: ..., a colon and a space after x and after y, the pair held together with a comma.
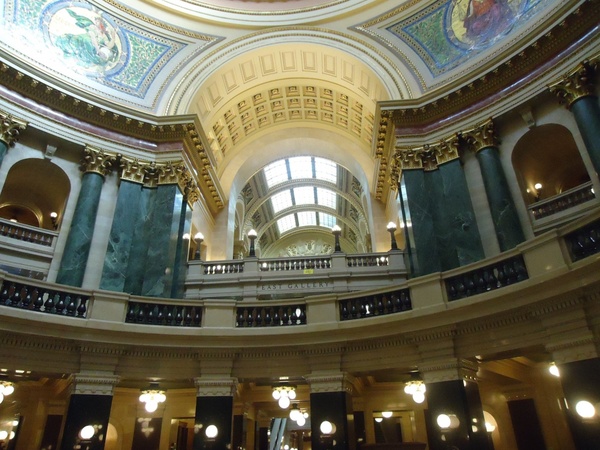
x: 563, y: 261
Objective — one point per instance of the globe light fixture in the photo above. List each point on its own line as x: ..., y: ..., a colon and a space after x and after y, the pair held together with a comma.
x: 199, y: 238
x: 391, y: 227
x: 152, y: 397
x: 327, y: 427
x: 6, y: 388
x: 211, y: 431
x: 417, y: 389
x: 585, y: 409
x: 252, y: 236
x: 87, y: 432
x: 554, y: 370
x: 284, y: 395
x: 337, y: 231
x: 387, y: 414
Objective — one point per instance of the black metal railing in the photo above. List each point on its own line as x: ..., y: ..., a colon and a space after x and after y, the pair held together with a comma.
x: 162, y: 314
x: 584, y: 241
x: 270, y: 316
x: 40, y: 299
x: 488, y: 278
x: 375, y: 305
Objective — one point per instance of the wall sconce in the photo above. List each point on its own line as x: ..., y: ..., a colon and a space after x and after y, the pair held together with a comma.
x: 211, y: 431
x: 6, y: 388
x: 417, y: 389
x: 336, y: 230
x: 54, y: 219
x: 284, y: 395
x: 252, y: 236
x: 327, y: 428
x: 87, y: 432
x: 448, y: 421
x: 152, y: 397
x: 585, y: 409
x: 391, y: 227
x: 198, y: 237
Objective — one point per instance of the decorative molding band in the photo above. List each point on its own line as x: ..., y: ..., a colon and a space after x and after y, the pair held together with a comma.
x: 340, y: 382
x: 215, y: 387
x: 93, y: 383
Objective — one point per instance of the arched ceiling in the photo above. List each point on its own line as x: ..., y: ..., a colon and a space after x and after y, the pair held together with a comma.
x: 254, y: 71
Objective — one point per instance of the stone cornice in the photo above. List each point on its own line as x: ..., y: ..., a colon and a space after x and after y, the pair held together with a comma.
x: 330, y: 382
x: 207, y: 387
x: 94, y: 383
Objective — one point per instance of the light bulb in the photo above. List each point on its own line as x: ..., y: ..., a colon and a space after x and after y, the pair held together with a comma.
x: 8, y: 389
x: 443, y: 421
x: 284, y: 402
x: 585, y: 409
x: 87, y: 432
x: 419, y: 397
x: 387, y: 414
x: 292, y: 394
x: 301, y: 421
x: 211, y: 431
x: 151, y: 406
x: 276, y: 394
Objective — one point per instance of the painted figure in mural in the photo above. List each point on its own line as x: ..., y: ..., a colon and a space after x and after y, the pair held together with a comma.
x: 93, y: 47
x: 486, y: 19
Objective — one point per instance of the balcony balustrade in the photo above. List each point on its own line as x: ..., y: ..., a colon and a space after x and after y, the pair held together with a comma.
x: 560, y: 258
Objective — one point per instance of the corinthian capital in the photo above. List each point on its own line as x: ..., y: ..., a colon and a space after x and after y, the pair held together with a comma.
x: 10, y: 128
x: 96, y: 160
x: 482, y: 136
x: 578, y: 83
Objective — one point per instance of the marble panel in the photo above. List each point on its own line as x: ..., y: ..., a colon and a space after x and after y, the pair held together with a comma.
x: 162, y: 238
x: 425, y: 258
x: 116, y: 261
x: 587, y: 115
x: 77, y: 248
x: 3, y: 150
x: 459, y: 234
x: 509, y: 231
x: 136, y: 266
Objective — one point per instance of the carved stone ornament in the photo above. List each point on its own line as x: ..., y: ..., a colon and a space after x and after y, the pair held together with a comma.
x: 94, y: 384
x: 340, y: 382
x: 96, y: 160
x: 10, y: 128
x: 215, y: 387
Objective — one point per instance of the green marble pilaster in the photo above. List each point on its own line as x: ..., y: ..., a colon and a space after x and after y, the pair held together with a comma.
x: 77, y: 248
x: 125, y: 223
x: 136, y: 266
x: 459, y: 242
x: 504, y: 213
x: 185, y: 223
x: 162, y: 241
x: 3, y: 150
x: 587, y: 115
x: 421, y: 233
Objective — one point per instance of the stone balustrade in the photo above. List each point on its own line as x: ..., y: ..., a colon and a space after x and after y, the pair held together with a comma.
x: 552, y: 258
x: 271, y: 278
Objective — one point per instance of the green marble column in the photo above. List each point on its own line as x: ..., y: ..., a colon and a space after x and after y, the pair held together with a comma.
x: 421, y: 234
x: 10, y: 128
x: 126, y: 223
x: 77, y: 248
x: 507, y: 225
x: 577, y: 89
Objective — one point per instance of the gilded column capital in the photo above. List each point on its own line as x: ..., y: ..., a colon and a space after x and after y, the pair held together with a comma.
x: 98, y: 161
x: 446, y: 150
x: 577, y: 83
x: 10, y: 128
x: 481, y: 136
x: 138, y: 172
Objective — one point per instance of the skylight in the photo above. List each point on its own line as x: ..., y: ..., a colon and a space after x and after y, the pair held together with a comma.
x: 307, y: 218
x: 276, y: 173
x: 301, y: 167
x: 281, y: 200
x: 325, y: 170
x: 326, y: 220
x: 304, y: 195
x: 286, y: 223
x: 327, y: 198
